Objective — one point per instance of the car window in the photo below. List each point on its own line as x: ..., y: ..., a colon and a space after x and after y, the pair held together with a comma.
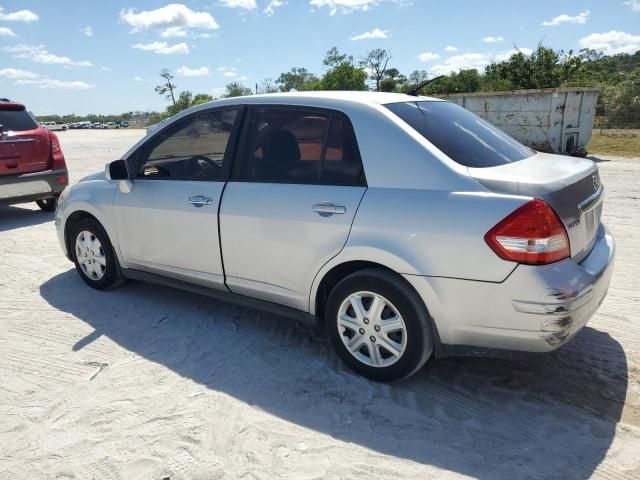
x: 342, y: 164
x: 299, y: 146
x: 192, y: 149
x: 16, y: 120
x: 461, y: 135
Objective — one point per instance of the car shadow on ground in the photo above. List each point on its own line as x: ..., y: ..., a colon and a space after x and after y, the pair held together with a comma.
x: 13, y: 217
x: 553, y: 416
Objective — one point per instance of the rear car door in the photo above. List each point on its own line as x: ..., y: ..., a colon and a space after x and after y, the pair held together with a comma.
x: 168, y: 223
x: 290, y: 203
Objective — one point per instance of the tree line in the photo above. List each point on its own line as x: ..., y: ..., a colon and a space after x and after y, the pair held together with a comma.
x: 617, y: 75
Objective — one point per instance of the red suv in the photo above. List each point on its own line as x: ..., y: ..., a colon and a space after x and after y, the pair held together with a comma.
x: 32, y: 166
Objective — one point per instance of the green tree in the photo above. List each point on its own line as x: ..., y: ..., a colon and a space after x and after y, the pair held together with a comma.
x: 393, y: 81
x: 342, y: 74
x: 376, y: 62
x: 167, y: 87
x: 236, y: 89
x: 299, y: 79
x: 201, y: 98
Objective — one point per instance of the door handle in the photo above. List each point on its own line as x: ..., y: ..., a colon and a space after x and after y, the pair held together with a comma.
x: 199, y: 200
x: 326, y: 209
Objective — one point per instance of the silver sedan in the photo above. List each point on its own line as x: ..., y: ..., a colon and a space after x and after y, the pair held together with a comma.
x: 406, y: 227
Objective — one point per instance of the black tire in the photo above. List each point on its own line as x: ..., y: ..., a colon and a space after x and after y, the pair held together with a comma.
x: 48, y: 204
x: 419, y: 334
x: 111, y: 275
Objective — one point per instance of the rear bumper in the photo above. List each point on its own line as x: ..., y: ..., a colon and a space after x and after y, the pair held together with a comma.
x: 536, y: 309
x: 28, y: 187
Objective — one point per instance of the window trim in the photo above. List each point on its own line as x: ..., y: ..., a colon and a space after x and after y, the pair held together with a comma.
x: 240, y: 158
x: 229, y: 154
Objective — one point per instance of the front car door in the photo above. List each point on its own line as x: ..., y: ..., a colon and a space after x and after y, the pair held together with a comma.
x: 168, y: 223
x: 290, y: 203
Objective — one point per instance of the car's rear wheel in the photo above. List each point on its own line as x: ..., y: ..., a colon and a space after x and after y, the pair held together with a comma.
x: 378, y: 325
x: 48, y: 204
x: 93, y: 254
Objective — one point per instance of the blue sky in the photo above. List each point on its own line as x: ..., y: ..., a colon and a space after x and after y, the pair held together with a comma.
x: 79, y: 57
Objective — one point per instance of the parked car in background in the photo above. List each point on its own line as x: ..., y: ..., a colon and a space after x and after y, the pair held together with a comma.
x: 408, y: 227
x: 32, y: 165
x: 124, y: 124
x: 55, y: 126
x: 111, y: 125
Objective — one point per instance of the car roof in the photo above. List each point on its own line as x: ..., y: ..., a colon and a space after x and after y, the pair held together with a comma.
x: 9, y: 105
x: 380, y: 98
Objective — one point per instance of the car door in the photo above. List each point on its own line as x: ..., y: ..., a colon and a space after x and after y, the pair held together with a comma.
x: 168, y: 223
x: 290, y: 203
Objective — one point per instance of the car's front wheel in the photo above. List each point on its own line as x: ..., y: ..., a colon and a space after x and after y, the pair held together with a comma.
x: 93, y: 254
x: 378, y: 325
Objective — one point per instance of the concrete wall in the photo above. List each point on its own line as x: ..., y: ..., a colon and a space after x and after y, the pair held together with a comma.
x: 556, y: 120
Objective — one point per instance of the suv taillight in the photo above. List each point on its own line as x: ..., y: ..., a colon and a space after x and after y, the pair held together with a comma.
x: 532, y: 234
x: 57, y: 157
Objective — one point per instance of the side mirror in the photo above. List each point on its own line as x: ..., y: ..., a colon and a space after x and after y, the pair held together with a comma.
x: 117, y: 170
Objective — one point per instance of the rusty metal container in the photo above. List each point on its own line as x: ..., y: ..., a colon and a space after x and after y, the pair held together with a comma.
x: 557, y: 120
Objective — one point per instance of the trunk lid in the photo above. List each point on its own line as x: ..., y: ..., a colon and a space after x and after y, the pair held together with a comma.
x: 24, y: 152
x: 571, y: 186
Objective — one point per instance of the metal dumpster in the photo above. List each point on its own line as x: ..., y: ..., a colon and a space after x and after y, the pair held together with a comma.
x: 558, y: 120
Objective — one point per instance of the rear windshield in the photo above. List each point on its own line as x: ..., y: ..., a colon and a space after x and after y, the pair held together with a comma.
x: 16, y: 120
x: 461, y: 135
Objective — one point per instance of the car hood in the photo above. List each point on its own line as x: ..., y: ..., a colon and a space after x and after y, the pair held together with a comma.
x: 94, y: 176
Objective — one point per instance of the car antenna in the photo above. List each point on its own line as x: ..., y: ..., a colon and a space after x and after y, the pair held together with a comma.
x: 414, y: 91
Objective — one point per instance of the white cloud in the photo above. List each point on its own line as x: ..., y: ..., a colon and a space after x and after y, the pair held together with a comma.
x: 137, y: 78
x: 491, y: 39
x: 506, y: 55
x: 39, y: 54
x: 634, y: 5
x: 193, y: 72
x: 271, y: 8
x: 375, y: 33
x: 51, y: 83
x: 581, y: 18
x: 163, y: 48
x: 344, y: 6
x: 428, y: 56
x: 174, y: 32
x: 450, y: 48
x: 170, y: 16
x: 6, y: 32
x: 611, y: 43
x: 24, y: 77
x: 246, y: 4
x: 88, y: 31
x: 458, y: 62
x: 474, y: 60
x: 17, y: 74
x: 26, y: 16
x: 228, y: 71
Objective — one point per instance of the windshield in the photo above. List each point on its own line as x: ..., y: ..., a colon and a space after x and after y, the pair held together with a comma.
x: 461, y: 135
x: 16, y: 120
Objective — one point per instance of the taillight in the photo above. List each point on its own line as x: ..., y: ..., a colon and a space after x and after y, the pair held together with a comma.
x: 532, y: 234
x: 57, y: 157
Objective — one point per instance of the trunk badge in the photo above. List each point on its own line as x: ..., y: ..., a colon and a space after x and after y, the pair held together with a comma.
x: 595, y: 182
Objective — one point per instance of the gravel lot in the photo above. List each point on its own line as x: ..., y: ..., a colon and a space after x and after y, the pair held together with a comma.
x: 144, y: 382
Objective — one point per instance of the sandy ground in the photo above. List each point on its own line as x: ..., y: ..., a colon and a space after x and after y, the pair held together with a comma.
x: 144, y: 382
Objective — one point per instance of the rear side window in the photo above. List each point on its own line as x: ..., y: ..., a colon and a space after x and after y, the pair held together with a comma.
x: 461, y: 135
x: 300, y: 146
x: 16, y: 120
